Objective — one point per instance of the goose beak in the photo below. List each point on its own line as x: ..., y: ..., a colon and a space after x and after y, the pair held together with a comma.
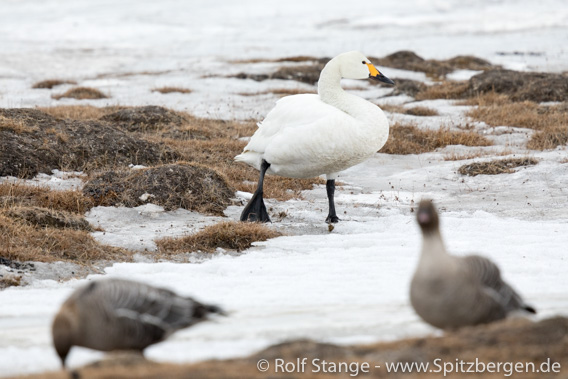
x: 375, y: 74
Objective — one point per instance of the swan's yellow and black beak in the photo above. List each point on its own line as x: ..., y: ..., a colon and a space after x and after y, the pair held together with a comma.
x: 375, y: 74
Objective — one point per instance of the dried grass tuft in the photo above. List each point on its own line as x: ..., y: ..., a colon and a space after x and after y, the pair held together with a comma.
x: 79, y: 112
x: 229, y: 235
x: 50, y: 83
x: 81, y: 93
x: 280, y: 92
x: 414, y: 111
x: 409, y: 139
x: 454, y: 156
x: 45, y: 217
x: 422, y: 111
x: 495, y: 167
x: 444, y: 90
x: 166, y: 90
x: 16, y: 126
x: 549, y: 137
x: 10, y: 281
x: 20, y: 241
x: 39, y: 224
x: 181, y: 185
x: 550, y: 122
x: 19, y: 195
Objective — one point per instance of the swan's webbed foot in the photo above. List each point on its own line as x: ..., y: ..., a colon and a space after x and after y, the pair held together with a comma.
x: 332, y: 219
x: 255, y: 211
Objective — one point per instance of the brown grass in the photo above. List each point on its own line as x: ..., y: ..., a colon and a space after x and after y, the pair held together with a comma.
x: 409, y: 139
x: 495, y: 167
x: 79, y: 112
x: 127, y: 74
x: 10, y: 281
x: 23, y: 242
x: 550, y: 122
x: 45, y: 217
x: 50, y: 83
x: 453, y: 156
x: 299, y: 58
x: 522, y: 114
x: 422, y: 111
x: 444, y: 90
x: 486, y: 99
x: 280, y: 92
x: 180, y: 185
x: 549, y: 137
x: 81, y: 93
x: 414, y: 111
x: 165, y: 90
x: 17, y: 126
x: 18, y: 195
x: 227, y: 235
x: 39, y: 224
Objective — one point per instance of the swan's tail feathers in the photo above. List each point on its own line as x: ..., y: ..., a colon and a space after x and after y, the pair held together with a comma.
x: 529, y: 308
x: 251, y: 158
x: 255, y: 211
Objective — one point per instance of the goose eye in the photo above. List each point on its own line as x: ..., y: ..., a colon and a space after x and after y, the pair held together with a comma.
x: 363, y: 62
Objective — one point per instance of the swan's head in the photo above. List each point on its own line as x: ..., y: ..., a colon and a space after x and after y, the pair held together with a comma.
x: 354, y: 65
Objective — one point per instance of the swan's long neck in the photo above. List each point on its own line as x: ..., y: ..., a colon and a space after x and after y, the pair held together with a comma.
x: 330, y: 92
x: 329, y: 85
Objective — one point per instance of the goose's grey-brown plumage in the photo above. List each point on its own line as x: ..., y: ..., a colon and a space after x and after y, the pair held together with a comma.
x: 118, y: 314
x: 449, y: 291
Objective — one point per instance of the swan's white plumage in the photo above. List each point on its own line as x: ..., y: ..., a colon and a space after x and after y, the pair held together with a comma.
x: 310, y: 135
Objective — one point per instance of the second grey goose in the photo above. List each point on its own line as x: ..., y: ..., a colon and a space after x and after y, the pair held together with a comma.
x: 450, y: 291
x: 118, y: 314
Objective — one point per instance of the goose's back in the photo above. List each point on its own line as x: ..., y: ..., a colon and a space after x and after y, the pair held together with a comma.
x: 118, y: 314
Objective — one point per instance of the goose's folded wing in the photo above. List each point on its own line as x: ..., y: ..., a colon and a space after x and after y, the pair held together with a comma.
x: 490, y: 276
x: 143, y: 314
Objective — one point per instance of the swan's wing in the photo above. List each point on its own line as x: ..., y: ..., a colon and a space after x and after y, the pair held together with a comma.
x: 490, y: 276
x: 291, y: 116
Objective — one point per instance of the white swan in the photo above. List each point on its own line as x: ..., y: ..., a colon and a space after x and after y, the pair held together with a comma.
x: 305, y: 136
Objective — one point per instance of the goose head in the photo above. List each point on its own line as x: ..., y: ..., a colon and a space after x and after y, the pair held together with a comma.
x: 354, y: 65
x: 427, y: 217
x: 62, y: 332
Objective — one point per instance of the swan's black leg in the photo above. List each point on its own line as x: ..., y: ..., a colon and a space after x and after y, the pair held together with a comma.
x: 255, y: 210
x: 332, y: 216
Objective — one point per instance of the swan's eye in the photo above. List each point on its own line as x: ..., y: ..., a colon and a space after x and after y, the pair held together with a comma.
x: 363, y: 62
